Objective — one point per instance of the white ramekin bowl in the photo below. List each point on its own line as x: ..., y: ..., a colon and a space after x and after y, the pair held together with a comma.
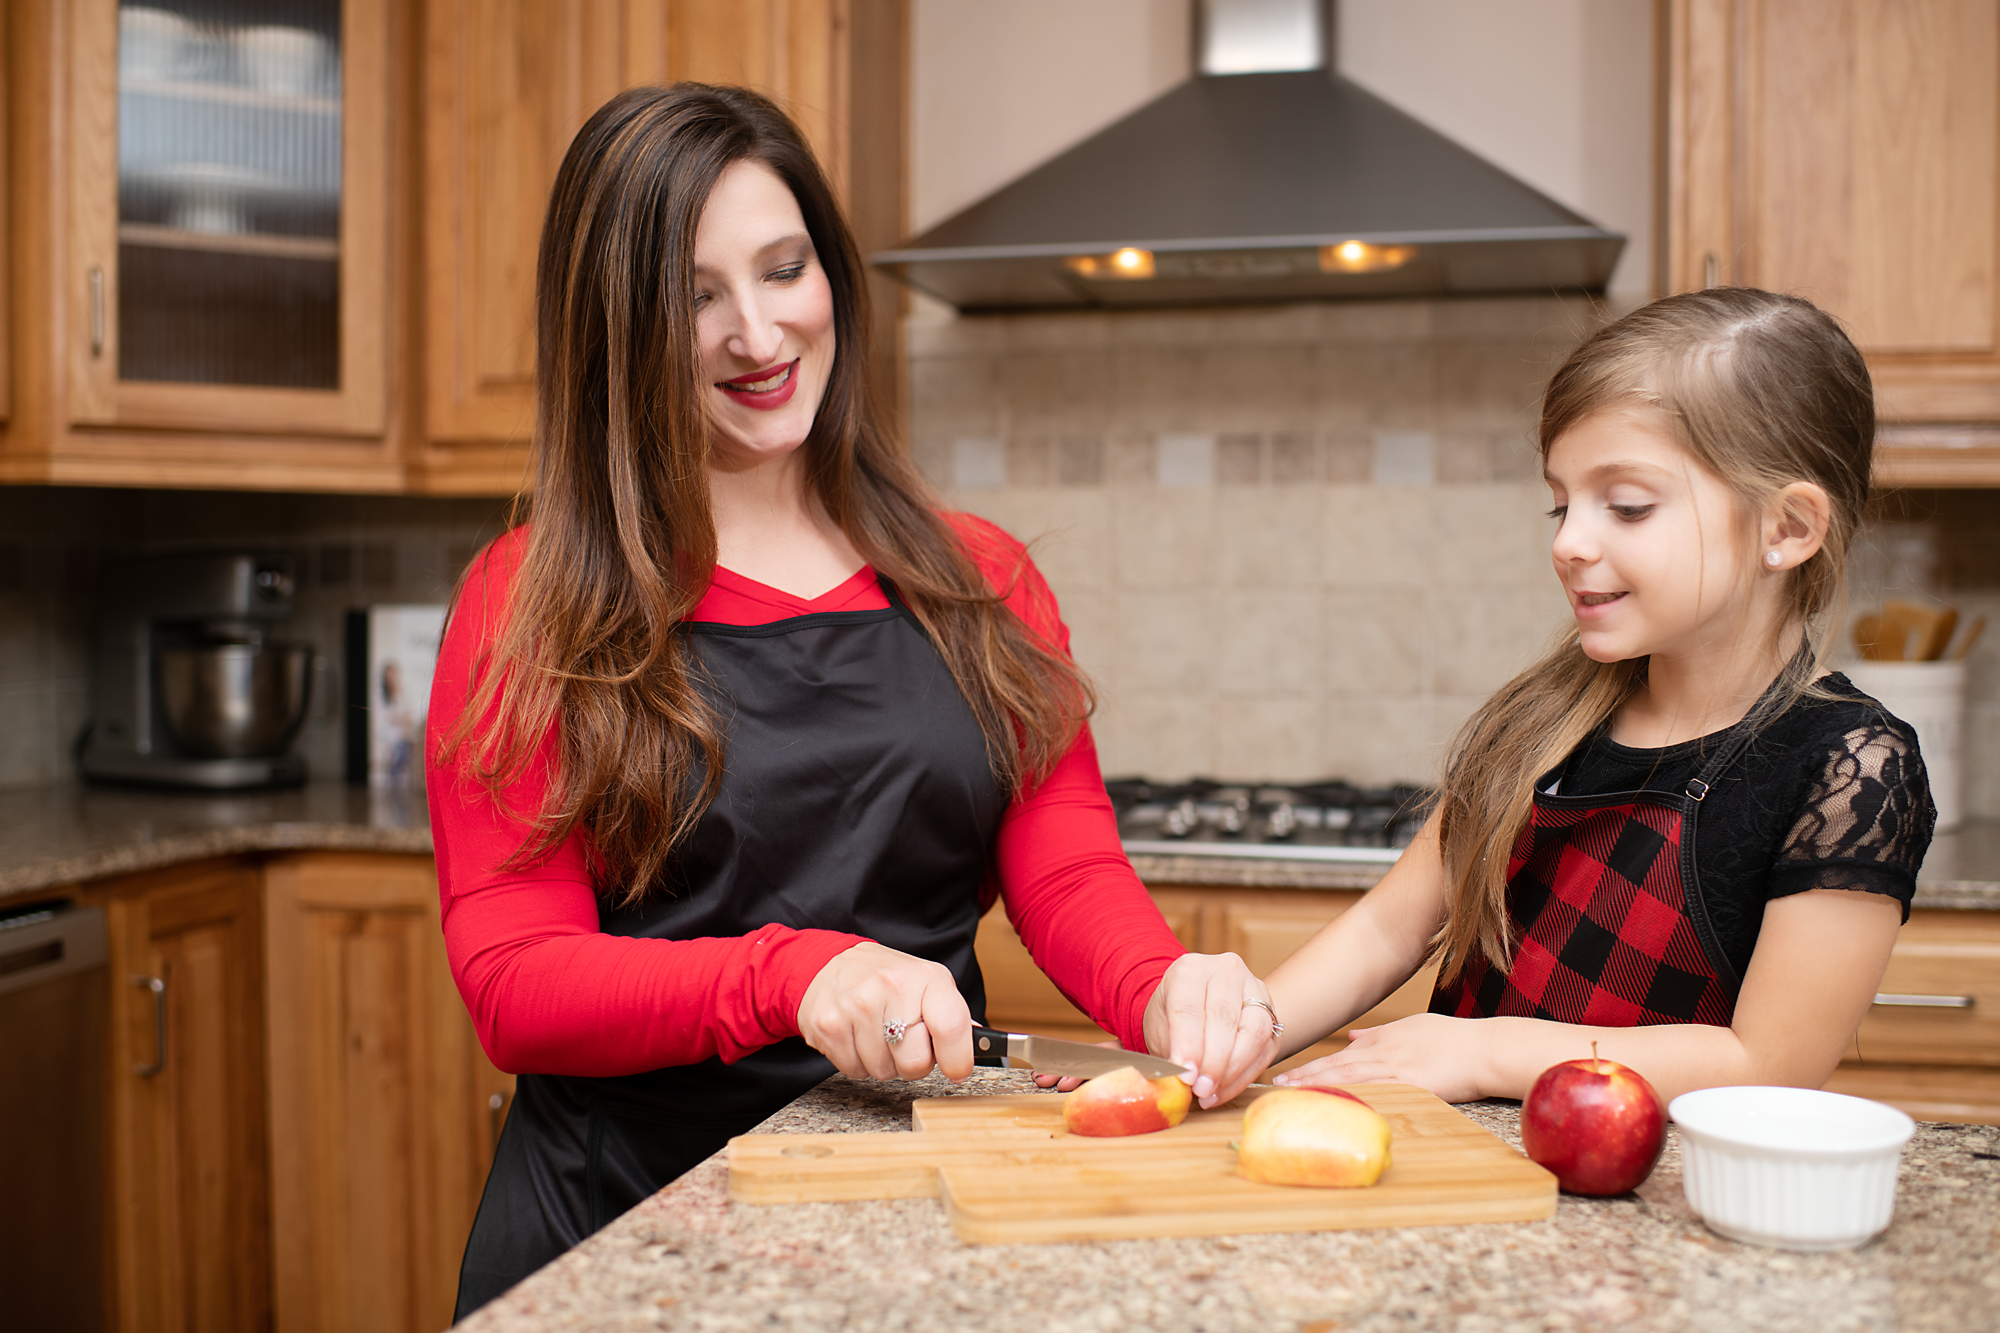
x: 1795, y: 1168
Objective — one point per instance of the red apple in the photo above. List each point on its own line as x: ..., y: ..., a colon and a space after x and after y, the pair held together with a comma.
x: 1312, y: 1136
x: 1596, y: 1124
x: 1125, y: 1101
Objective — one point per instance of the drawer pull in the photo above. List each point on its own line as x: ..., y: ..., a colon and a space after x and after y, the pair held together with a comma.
x: 1926, y: 1001
x: 158, y: 986
x: 97, y: 312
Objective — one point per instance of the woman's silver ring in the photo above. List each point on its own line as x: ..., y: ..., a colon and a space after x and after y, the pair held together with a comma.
x: 893, y: 1032
x: 1277, y: 1028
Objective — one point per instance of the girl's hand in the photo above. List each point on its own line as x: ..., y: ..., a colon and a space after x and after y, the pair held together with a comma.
x: 848, y: 1005
x: 1445, y: 1056
x: 1211, y: 1012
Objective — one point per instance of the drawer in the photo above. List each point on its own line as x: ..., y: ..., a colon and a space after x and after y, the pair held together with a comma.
x: 1955, y: 1094
x: 1940, y: 996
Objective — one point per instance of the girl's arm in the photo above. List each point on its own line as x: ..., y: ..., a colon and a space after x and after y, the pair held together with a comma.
x: 1366, y: 952
x: 1820, y: 955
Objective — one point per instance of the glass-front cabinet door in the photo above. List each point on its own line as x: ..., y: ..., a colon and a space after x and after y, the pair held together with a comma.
x: 231, y: 207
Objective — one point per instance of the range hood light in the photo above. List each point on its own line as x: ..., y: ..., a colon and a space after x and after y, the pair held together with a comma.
x: 1361, y: 257
x: 1126, y: 263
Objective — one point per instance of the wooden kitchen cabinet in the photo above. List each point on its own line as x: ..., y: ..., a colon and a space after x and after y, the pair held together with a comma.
x: 1936, y: 1061
x: 1849, y: 151
x: 380, y: 1125
x: 189, y: 1178
x: 203, y: 296
x: 415, y: 370
x: 301, y: 1118
x: 507, y: 85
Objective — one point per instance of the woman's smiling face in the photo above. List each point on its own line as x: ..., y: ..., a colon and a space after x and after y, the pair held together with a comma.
x: 763, y: 318
x: 1653, y: 549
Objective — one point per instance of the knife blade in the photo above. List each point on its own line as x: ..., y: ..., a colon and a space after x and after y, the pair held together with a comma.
x: 1051, y: 1055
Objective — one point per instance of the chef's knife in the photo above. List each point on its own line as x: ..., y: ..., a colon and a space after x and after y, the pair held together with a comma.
x: 1073, y: 1059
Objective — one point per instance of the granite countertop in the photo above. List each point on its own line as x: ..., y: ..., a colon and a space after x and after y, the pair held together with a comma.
x: 690, y: 1259
x: 51, y: 836
x: 69, y: 833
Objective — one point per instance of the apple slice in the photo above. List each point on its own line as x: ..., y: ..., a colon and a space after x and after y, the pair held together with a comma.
x: 1313, y: 1136
x: 1125, y: 1101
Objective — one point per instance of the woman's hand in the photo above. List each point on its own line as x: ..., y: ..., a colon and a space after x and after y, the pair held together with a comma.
x: 847, y: 1008
x: 1211, y: 1012
x: 1443, y: 1055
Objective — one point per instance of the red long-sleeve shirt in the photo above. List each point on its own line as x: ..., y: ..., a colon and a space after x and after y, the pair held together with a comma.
x: 550, y: 993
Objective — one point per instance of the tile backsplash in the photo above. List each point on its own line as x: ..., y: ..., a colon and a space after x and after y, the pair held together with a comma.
x: 55, y: 543
x: 1290, y: 542
x: 1307, y: 541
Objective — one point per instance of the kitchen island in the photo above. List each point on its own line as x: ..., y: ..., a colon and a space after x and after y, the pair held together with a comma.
x: 688, y: 1258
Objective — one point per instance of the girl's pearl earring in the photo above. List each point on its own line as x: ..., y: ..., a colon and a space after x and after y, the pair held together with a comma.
x: 1773, y: 559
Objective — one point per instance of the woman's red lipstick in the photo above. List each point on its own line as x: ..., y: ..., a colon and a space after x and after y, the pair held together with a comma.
x: 774, y: 386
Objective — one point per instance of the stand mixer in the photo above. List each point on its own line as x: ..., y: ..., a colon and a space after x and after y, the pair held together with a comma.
x: 190, y: 686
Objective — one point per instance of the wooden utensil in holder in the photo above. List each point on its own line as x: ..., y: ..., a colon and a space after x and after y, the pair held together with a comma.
x: 1902, y: 632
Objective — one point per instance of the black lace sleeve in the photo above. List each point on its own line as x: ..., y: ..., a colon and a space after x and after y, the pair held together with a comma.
x: 1866, y: 820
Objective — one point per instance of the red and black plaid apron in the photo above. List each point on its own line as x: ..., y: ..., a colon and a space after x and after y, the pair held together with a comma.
x: 1608, y: 917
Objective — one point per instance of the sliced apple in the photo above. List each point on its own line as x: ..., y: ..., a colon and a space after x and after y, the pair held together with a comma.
x: 1125, y: 1101
x: 1313, y: 1136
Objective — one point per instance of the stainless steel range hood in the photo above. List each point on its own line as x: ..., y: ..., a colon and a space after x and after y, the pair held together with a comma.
x: 1257, y: 180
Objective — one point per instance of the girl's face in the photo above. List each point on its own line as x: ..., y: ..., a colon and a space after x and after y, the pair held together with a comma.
x: 1653, y: 548
x: 763, y: 318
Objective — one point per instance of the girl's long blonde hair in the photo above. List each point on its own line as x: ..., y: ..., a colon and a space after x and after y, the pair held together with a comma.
x: 1763, y: 390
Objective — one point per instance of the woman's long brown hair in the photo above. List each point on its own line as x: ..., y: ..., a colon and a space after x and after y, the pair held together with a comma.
x: 622, y: 542
x: 1761, y: 389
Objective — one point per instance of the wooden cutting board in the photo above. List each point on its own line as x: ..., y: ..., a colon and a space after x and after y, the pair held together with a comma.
x: 1008, y: 1173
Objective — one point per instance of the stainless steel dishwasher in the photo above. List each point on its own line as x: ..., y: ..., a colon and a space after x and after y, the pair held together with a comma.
x: 54, y: 1025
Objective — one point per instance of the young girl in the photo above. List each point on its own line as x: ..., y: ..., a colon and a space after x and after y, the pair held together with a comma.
x: 1675, y: 835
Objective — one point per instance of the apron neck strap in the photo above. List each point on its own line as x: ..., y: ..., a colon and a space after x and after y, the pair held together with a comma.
x: 1768, y: 705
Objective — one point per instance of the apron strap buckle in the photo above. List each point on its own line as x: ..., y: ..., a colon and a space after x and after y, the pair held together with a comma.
x: 1697, y: 790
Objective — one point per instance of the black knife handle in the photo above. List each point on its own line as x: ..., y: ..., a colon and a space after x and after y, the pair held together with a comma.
x: 989, y: 1047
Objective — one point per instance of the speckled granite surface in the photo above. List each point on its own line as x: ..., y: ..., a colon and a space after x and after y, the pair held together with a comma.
x: 689, y: 1259
x: 53, y: 836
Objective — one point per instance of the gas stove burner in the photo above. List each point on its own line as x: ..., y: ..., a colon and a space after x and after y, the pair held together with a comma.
x: 1216, y: 816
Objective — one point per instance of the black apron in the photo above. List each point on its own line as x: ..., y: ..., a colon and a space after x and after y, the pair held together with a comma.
x: 857, y: 797
x: 1610, y: 926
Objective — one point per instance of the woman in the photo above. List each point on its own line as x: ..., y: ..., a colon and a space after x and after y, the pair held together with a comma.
x: 733, y: 743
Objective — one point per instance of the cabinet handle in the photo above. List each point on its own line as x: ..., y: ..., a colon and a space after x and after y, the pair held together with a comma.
x: 97, y: 312
x: 496, y: 1109
x: 158, y: 986
x: 1926, y: 1001
x: 1710, y: 271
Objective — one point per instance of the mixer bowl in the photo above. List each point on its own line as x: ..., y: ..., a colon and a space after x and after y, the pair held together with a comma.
x: 234, y: 700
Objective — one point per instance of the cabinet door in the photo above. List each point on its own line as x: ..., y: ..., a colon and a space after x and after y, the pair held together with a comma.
x: 228, y: 202
x: 189, y: 1200
x: 1265, y: 929
x: 1019, y: 995
x: 1848, y: 151
x: 381, y: 1127
x: 509, y: 83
